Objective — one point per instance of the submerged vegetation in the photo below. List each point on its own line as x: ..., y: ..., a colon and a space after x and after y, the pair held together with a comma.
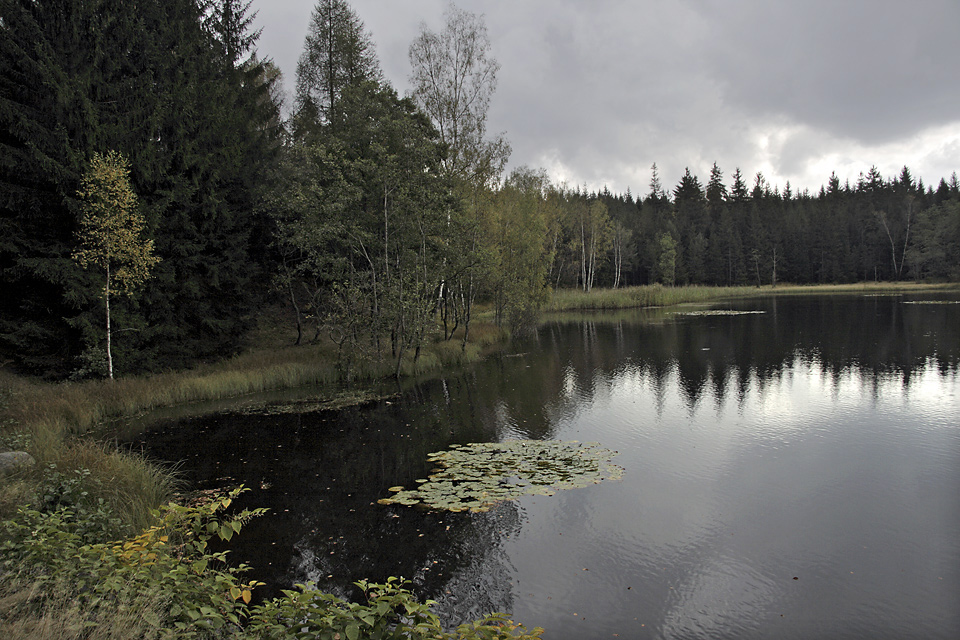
x: 474, y: 477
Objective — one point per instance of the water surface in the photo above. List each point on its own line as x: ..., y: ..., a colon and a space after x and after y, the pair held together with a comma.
x: 793, y: 473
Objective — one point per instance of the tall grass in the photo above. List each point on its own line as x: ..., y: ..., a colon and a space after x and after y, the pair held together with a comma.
x: 659, y: 296
x: 53, y: 422
x: 643, y: 296
x: 61, y: 617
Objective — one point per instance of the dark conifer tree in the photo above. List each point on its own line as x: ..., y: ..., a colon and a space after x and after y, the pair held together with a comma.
x: 693, y: 222
x: 337, y: 53
x: 152, y: 81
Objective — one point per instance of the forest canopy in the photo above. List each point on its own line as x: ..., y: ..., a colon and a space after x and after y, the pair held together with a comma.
x: 381, y: 220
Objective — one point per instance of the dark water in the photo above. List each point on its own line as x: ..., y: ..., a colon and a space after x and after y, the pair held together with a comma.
x: 789, y: 474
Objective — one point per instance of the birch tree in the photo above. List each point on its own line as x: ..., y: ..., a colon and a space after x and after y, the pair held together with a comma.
x: 454, y: 76
x: 621, y: 239
x: 111, y: 234
x: 591, y: 234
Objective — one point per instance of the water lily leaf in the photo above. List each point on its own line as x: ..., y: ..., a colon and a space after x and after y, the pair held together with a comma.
x: 473, y: 477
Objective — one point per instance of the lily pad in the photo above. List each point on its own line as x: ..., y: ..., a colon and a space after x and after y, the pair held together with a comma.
x: 474, y: 477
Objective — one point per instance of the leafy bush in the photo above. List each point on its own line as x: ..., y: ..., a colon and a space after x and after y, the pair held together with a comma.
x: 391, y: 613
x: 57, y: 580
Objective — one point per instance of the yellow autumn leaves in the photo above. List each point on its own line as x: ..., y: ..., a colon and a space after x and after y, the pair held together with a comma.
x: 111, y: 234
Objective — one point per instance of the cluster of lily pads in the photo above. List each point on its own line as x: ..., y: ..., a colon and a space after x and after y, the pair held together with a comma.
x: 718, y: 312
x: 474, y: 477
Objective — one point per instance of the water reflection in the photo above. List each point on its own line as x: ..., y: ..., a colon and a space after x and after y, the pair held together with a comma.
x: 879, y: 338
x: 818, y: 441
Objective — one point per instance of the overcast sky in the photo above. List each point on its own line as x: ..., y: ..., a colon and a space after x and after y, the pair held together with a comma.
x: 597, y: 91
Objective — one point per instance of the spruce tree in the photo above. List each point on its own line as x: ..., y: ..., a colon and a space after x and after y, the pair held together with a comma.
x: 337, y: 53
x: 154, y: 81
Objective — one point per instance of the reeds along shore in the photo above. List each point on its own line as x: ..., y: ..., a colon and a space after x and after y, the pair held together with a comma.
x: 660, y: 296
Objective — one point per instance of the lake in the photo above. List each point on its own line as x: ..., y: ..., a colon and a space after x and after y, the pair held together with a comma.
x: 791, y: 470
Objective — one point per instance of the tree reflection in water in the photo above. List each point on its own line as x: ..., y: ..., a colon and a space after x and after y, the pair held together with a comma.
x: 321, y: 472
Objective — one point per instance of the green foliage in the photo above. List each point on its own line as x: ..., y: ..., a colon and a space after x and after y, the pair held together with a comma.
x: 932, y: 253
x: 360, y: 219
x: 111, y: 232
x: 194, y: 593
x: 337, y: 53
x: 195, y: 125
x: 57, y: 565
x: 474, y: 477
x: 666, y: 259
x: 76, y: 498
x: 516, y: 247
x: 391, y: 612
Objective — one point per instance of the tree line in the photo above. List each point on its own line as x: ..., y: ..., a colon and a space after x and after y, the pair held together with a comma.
x: 378, y: 219
x: 884, y: 229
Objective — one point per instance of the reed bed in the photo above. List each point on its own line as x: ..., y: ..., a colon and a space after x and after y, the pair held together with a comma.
x: 642, y: 296
x: 659, y: 296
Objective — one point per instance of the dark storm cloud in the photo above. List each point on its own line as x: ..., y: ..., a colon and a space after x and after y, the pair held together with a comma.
x: 874, y: 71
x: 595, y: 92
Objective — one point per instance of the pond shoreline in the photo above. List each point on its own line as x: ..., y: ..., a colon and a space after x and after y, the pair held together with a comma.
x: 51, y: 420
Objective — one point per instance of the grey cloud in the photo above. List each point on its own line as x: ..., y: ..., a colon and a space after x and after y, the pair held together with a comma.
x: 874, y: 71
x: 608, y: 87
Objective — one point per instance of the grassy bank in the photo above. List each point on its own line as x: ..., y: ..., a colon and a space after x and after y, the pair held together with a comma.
x: 57, y: 423
x: 660, y: 296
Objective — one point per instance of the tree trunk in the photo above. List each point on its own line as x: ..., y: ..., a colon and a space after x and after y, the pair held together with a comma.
x: 106, y: 298
x: 774, y: 279
x: 893, y: 248
x: 583, y: 257
x: 906, y: 238
x: 296, y: 310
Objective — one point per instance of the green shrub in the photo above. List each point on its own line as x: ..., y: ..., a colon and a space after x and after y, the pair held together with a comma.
x: 52, y: 561
x: 59, y: 579
x: 391, y: 613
